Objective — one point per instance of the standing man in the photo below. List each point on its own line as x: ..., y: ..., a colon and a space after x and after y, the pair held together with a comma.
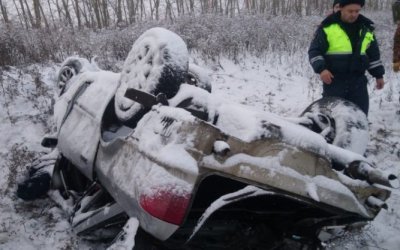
x: 343, y: 48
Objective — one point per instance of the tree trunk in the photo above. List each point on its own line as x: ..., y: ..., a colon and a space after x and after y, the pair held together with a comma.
x: 87, y: 14
x: 191, y: 4
x: 38, y: 18
x: 59, y: 11
x: 24, y: 13
x: 77, y: 13
x: 168, y: 11
x: 67, y: 15
x: 46, y: 23
x: 132, y: 11
x: 96, y: 8
x: 106, y: 15
x: 124, y: 9
x: 4, y: 12
x: 119, y: 11
x: 51, y: 13
x: 28, y: 10
x: 20, y: 17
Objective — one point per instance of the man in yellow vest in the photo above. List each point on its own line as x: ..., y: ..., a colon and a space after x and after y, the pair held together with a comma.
x: 343, y: 48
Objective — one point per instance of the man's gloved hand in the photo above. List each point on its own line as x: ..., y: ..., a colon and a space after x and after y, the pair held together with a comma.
x: 396, y: 67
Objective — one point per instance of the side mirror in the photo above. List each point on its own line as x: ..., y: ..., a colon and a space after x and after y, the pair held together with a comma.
x: 49, y: 142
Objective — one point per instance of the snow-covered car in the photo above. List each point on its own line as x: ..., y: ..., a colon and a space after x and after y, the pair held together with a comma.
x: 198, y: 172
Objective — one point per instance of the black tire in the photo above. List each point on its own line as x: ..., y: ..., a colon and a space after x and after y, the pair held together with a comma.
x: 347, y: 123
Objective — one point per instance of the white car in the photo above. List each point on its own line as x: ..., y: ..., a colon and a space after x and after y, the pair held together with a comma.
x: 198, y: 172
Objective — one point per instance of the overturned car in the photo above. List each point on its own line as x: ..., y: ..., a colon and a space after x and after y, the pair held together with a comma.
x: 197, y: 172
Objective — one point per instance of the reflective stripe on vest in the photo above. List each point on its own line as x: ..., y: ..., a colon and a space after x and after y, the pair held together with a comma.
x: 339, y: 42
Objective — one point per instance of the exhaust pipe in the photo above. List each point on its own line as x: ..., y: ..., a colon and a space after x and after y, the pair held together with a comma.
x: 363, y: 171
x: 357, y: 167
x: 376, y: 203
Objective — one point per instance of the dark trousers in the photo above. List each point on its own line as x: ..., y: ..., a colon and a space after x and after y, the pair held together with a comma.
x: 352, y: 88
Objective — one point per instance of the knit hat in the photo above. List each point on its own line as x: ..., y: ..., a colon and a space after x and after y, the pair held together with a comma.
x: 347, y: 2
x: 335, y: 2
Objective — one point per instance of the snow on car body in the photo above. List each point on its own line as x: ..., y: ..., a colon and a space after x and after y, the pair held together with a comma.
x: 169, y: 167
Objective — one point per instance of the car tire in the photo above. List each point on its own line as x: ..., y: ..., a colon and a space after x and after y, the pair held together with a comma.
x: 341, y: 122
x: 157, y: 63
x: 68, y: 70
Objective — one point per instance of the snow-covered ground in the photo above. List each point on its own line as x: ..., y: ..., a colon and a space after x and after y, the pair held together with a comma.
x: 279, y: 83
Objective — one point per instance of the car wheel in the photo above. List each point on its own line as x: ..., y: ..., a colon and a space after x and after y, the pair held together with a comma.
x: 157, y: 63
x: 68, y: 70
x: 340, y: 122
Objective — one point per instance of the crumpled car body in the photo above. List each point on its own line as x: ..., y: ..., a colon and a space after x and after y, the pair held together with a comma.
x: 191, y: 164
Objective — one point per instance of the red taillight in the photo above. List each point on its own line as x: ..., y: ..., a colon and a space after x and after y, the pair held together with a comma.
x: 166, y: 205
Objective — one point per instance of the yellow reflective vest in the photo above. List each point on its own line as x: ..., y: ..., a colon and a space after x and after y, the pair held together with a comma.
x: 339, y: 42
x: 332, y: 49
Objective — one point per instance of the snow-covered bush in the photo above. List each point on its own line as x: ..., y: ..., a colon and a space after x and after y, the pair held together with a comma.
x: 211, y: 35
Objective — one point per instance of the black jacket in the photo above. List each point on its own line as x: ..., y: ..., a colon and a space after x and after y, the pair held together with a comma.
x: 346, y: 65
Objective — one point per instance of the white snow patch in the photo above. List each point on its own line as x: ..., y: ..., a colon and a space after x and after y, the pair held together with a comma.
x: 220, y: 146
x: 312, y: 191
x: 126, y: 241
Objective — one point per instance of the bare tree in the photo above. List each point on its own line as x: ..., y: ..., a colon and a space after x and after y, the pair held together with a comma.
x: 119, y: 11
x: 105, y: 14
x: 66, y: 11
x: 38, y: 17
x: 77, y: 13
x: 168, y: 11
x: 23, y: 13
x: 46, y: 23
x: 191, y: 6
x: 59, y: 12
x: 96, y: 8
x: 141, y: 7
x: 180, y: 7
x: 131, y: 11
x: 124, y: 10
x: 28, y: 11
x: 51, y: 12
x: 87, y: 14
x: 4, y: 12
x: 231, y: 6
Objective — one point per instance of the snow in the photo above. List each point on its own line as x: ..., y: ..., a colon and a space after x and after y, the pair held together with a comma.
x: 312, y: 191
x: 152, y: 138
x: 314, y: 186
x: 127, y: 239
x: 281, y: 87
x: 251, y: 124
x: 203, y: 77
x: 220, y: 146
